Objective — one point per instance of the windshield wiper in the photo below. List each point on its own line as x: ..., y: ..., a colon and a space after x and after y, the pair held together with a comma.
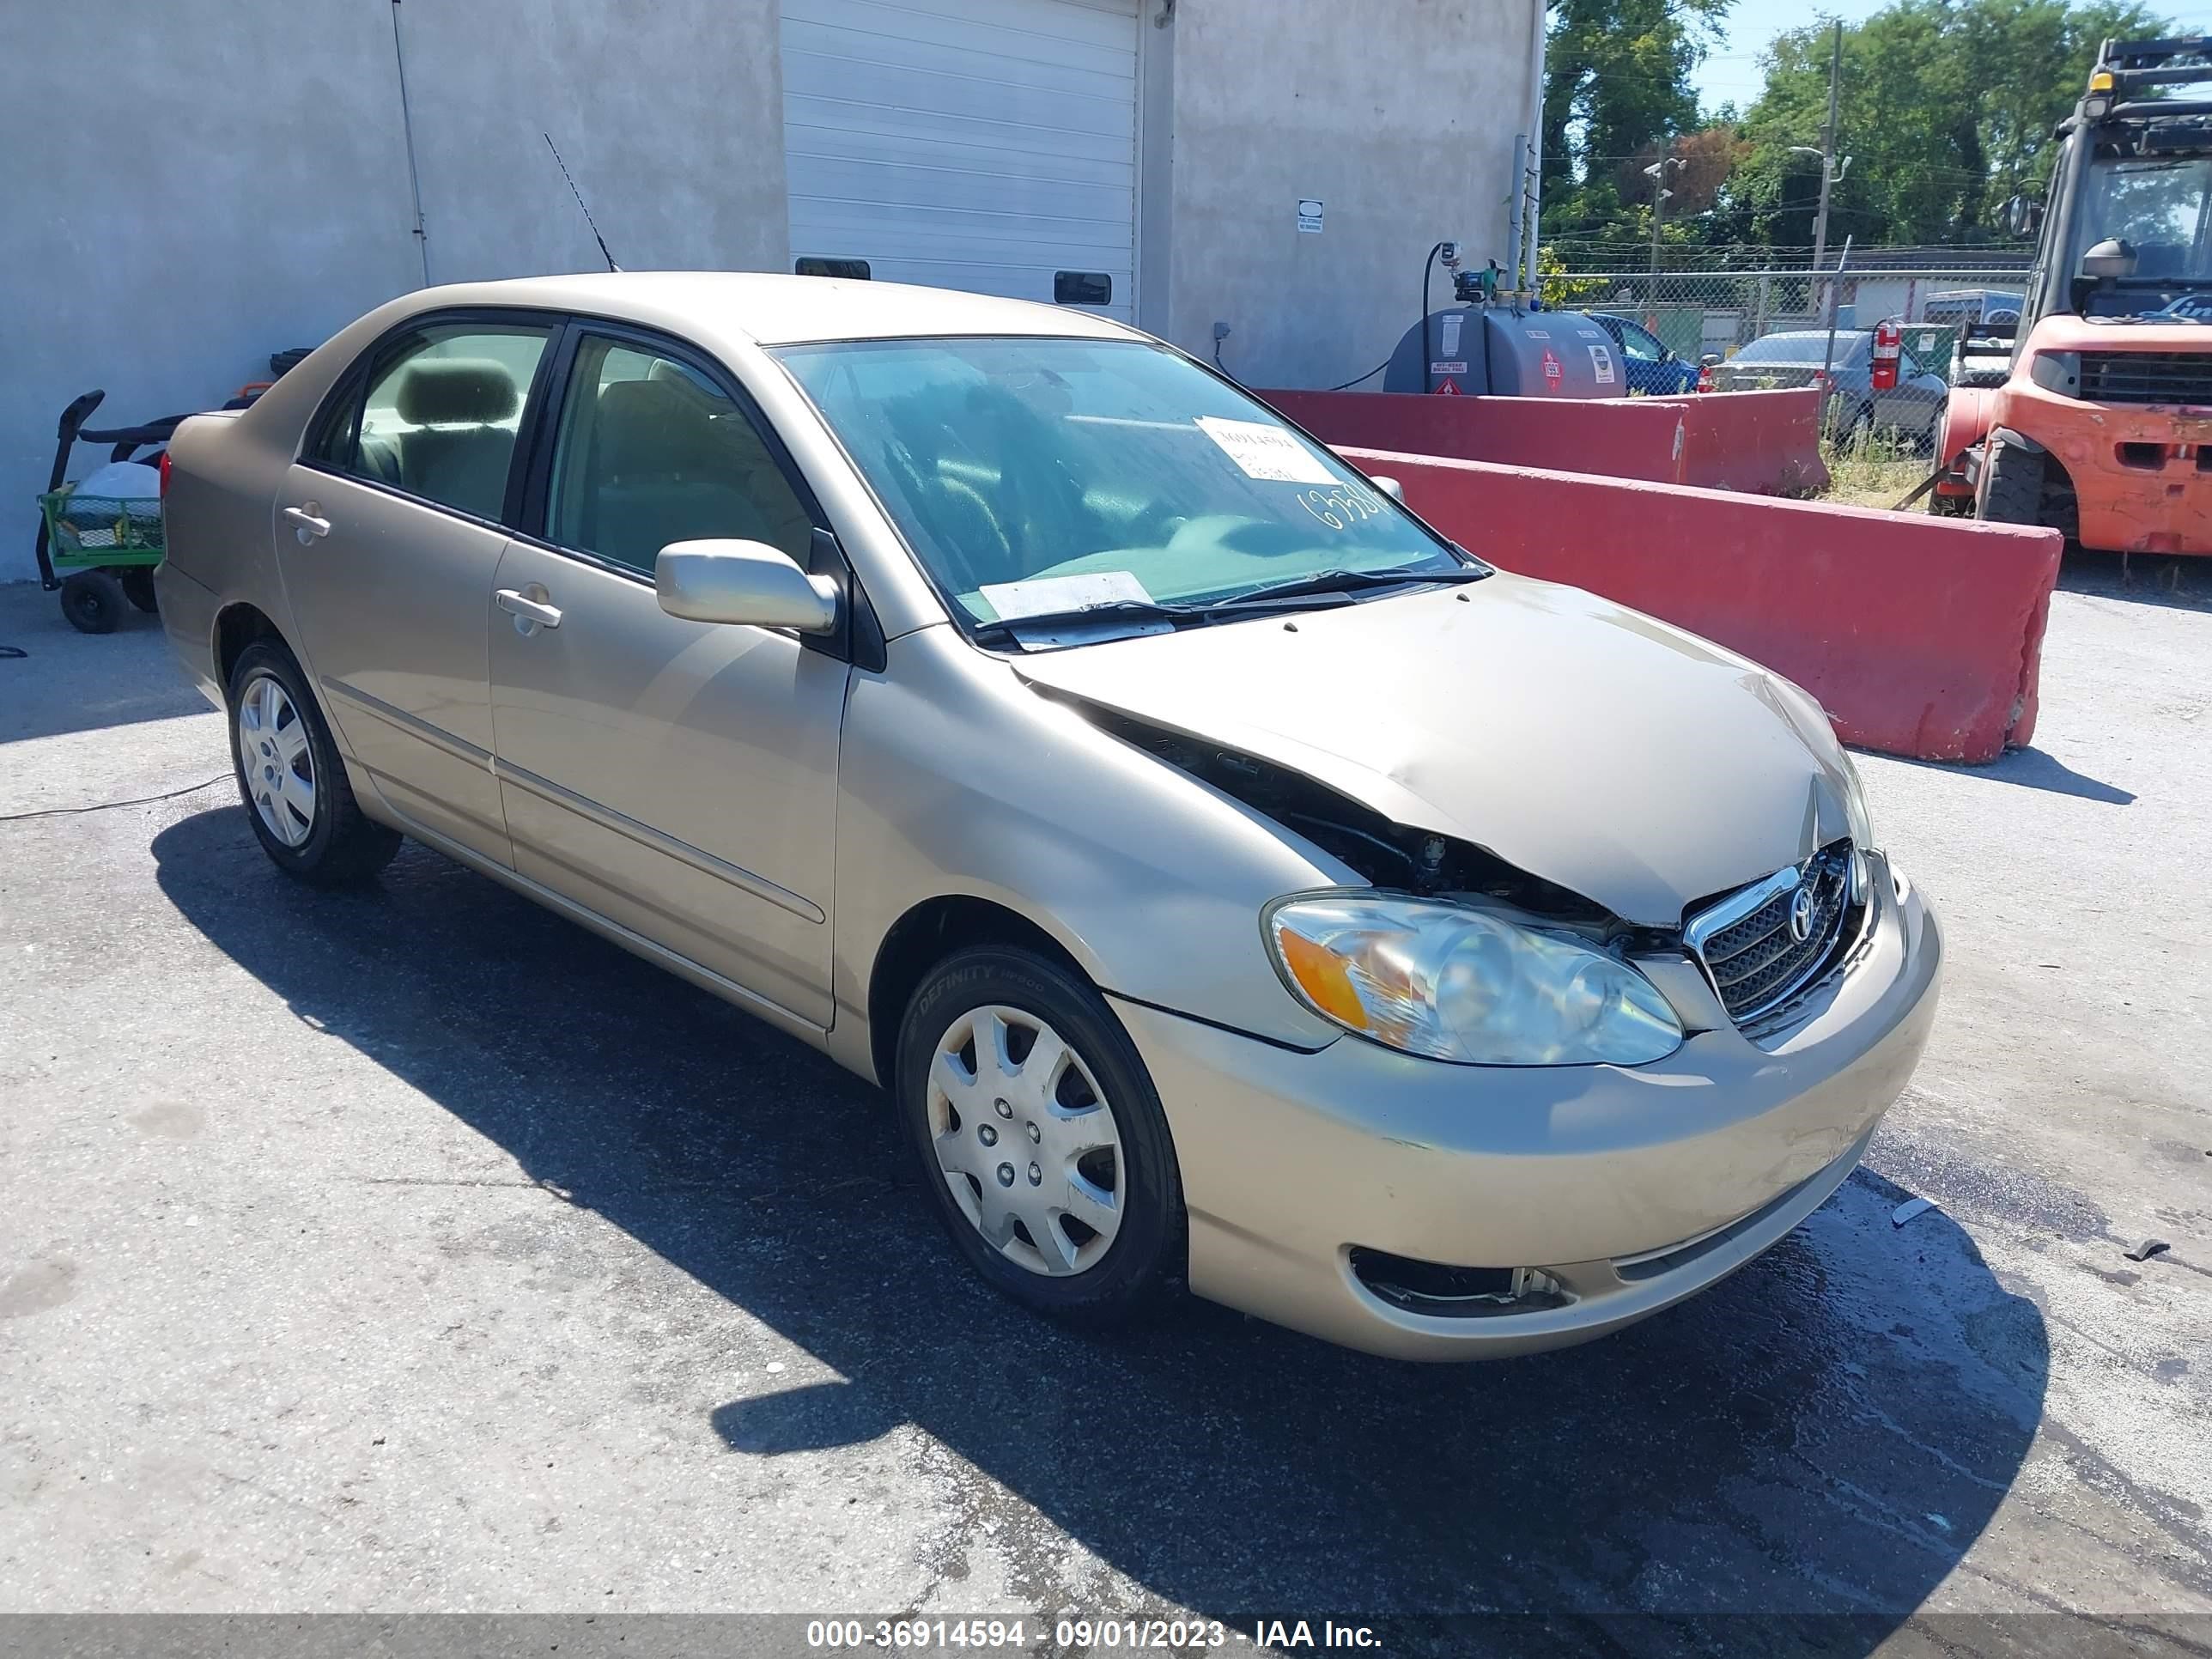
x: 1053, y: 622
x: 1347, y: 581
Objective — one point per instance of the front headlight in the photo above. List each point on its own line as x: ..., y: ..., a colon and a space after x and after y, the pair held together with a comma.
x: 2057, y: 371
x: 1855, y: 806
x: 1454, y: 983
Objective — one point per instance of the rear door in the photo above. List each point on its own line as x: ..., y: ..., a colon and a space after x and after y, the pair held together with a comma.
x: 678, y: 778
x: 388, y: 531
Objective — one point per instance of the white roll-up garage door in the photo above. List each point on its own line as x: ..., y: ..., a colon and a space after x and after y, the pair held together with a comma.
x: 982, y: 145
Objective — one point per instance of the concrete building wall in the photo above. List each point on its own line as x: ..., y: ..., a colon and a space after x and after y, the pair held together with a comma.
x: 230, y: 183
x: 668, y: 112
x: 188, y: 190
x: 1398, y: 115
x: 167, y: 199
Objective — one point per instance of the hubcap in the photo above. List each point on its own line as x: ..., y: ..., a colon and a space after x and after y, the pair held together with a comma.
x: 275, y: 762
x: 997, y: 1072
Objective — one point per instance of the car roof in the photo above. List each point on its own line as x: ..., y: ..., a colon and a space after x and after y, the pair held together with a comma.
x: 769, y: 308
x: 1842, y: 334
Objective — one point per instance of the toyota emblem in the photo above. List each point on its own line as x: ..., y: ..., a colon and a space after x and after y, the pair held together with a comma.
x: 1801, y: 915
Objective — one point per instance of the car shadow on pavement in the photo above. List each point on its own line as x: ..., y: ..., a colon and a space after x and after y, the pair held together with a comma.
x: 2031, y: 768
x: 1824, y: 1433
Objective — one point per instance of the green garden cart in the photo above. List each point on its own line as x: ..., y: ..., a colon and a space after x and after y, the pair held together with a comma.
x: 100, y: 538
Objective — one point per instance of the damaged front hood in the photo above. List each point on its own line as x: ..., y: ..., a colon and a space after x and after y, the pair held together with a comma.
x: 1582, y: 742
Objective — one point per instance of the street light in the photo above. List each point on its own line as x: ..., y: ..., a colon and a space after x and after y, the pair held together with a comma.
x: 1660, y: 195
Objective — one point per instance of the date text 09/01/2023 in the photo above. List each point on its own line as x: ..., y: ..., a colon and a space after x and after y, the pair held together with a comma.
x: 1082, y: 1635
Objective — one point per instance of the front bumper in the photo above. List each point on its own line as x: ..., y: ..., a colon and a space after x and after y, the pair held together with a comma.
x: 1629, y: 1188
x: 2140, y: 480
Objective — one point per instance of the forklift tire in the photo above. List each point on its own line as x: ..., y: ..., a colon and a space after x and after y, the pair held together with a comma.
x: 138, y: 588
x: 92, y: 601
x: 2012, y: 484
x: 341, y: 845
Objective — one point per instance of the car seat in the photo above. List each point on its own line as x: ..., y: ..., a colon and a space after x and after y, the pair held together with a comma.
x: 455, y: 451
x: 668, y: 470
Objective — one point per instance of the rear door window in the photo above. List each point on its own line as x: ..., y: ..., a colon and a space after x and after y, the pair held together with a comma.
x: 440, y: 416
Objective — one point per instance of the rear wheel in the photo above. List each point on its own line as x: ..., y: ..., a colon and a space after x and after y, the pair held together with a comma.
x: 92, y: 601
x: 291, y: 778
x: 1042, y: 1141
x: 2011, y: 485
x: 138, y: 588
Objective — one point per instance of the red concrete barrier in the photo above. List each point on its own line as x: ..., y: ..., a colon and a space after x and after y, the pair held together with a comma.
x: 1763, y: 442
x: 1920, y: 636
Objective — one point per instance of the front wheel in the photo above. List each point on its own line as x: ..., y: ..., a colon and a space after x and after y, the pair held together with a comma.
x: 2011, y: 485
x: 1042, y: 1139
x: 291, y: 778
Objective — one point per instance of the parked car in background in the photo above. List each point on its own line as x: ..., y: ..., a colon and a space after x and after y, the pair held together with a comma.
x: 1232, y: 881
x: 1985, y: 321
x: 1909, y: 412
x: 1653, y: 369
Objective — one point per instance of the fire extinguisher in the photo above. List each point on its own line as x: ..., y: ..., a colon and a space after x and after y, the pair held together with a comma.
x: 1888, y: 342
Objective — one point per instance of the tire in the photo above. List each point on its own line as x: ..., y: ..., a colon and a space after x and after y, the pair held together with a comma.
x: 968, y: 1126
x: 138, y: 588
x: 1858, y: 432
x: 290, y: 778
x: 2012, y: 485
x: 92, y: 601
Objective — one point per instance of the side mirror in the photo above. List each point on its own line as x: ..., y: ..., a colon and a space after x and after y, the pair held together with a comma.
x: 1389, y: 487
x: 2023, y: 216
x: 734, y: 581
x: 2110, y: 260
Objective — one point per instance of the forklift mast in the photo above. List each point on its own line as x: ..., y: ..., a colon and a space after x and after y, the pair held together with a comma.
x: 2129, y: 108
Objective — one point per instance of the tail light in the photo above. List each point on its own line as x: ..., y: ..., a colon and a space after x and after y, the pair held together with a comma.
x: 1704, y: 379
x: 165, y: 475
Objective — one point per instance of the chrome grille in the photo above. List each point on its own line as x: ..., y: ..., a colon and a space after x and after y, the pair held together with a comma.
x: 1747, y: 943
x: 2146, y: 377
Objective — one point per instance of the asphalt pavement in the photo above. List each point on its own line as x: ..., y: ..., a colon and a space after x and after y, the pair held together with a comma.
x: 412, y: 1249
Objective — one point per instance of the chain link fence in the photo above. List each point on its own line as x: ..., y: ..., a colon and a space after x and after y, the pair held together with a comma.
x: 1750, y: 330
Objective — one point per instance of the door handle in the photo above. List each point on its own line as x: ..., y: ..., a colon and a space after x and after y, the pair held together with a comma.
x: 527, y: 611
x: 308, y: 524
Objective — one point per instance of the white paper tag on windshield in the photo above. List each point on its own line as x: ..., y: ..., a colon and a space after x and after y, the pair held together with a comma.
x: 1044, y: 595
x: 1264, y: 452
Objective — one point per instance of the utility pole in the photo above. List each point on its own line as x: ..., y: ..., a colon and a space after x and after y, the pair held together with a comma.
x: 1828, y: 147
x: 1831, y: 174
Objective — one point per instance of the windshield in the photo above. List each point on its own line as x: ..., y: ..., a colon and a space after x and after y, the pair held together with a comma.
x: 1040, y: 476
x: 2160, y: 207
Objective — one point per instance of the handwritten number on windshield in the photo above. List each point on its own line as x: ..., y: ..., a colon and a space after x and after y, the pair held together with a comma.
x: 1341, y: 506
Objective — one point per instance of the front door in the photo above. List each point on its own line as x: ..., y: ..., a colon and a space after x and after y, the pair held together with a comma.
x: 679, y: 778
x: 388, y: 534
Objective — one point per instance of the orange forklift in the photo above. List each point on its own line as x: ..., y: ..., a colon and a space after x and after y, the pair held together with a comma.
x: 2103, y: 426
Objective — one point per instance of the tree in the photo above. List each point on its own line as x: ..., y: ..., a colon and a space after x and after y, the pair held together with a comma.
x: 1616, y: 82
x: 1946, y: 109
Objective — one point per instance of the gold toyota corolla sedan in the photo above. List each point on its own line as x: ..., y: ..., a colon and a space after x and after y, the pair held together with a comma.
x: 1232, y: 881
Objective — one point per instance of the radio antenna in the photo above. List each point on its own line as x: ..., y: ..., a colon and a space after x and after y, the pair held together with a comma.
x: 579, y: 195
